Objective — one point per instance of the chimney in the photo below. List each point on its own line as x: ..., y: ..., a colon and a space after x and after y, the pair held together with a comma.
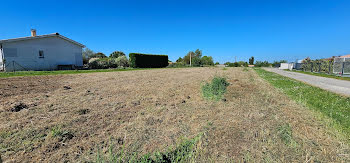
x: 33, y: 32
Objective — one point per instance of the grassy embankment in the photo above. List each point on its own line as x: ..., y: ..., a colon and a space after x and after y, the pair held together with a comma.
x: 331, y: 105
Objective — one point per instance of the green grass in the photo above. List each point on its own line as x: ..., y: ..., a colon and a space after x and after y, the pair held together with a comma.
x: 323, y: 75
x: 184, y: 152
x: 331, y: 105
x: 216, y: 89
x: 37, y: 73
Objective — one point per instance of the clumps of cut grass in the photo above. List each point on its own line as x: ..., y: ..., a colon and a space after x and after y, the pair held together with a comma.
x: 62, y: 135
x: 184, y: 152
x: 216, y: 89
x: 285, y: 133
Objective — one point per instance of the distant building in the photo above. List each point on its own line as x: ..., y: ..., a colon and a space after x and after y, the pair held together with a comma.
x: 298, y: 64
x: 43, y: 52
x: 341, y: 65
x: 286, y: 66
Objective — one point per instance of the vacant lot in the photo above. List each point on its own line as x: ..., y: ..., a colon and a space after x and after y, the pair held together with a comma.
x: 84, y: 117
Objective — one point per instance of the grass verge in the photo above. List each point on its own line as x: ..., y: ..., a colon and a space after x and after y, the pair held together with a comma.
x: 38, y: 73
x: 322, y: 75
x: 331, y: 105
x: 216, y: 89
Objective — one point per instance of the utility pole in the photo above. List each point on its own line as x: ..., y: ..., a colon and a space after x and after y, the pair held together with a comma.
x: 190, y: 59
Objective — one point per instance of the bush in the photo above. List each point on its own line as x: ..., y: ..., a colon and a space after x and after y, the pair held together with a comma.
x: 178, y: 64
x: 103, y: 63
x: 237, y: 64
x: 148, y: 60
x: 216, y: 89
x: 122, y: 61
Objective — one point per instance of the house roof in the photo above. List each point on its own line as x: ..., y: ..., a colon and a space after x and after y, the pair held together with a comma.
x: 345, y: 56
x: 42, y: 36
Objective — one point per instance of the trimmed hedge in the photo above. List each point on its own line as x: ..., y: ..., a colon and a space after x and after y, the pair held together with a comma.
x: 138, y: 60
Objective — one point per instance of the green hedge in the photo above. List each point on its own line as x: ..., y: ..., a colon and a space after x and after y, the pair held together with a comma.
x: 138, y: 60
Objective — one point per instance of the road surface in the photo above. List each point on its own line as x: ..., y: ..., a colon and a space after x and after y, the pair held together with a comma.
x: 333, y: 85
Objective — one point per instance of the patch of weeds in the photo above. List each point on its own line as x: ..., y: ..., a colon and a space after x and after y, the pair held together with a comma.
x: 224, y: 68
x: 184, y: 152
x: 245, y: 69
x: 216, y: 89
x: 63, y: 135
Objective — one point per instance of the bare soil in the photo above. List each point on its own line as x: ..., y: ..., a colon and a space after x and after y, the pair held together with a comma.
x: 150, y: 110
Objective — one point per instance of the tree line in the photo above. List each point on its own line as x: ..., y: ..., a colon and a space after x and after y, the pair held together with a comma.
x: 194, y: 58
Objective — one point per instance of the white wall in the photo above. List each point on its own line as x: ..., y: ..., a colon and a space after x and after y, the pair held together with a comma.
x: 285, y: 66
x: 56, y: 52
x: 1, y: 64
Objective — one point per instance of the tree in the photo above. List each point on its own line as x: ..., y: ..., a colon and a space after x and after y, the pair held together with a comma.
x: 195, y: 57
x: 227, y: 63
x: 205, y: 60
x: 98, y: 55
x: 116, y: 54
x: 285, y: 61
x: 179, y: 60
x: 196, y: 62
x: 242, y: 63
x: 87, y: 53
x: 186, y: 58
x: 198, y: 53
x: 251, y: 60
x: 217, y: 63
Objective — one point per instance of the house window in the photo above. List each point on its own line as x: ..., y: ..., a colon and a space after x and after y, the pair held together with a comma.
x: 41, y: 54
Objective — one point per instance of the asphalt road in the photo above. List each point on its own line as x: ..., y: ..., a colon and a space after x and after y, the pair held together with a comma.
x: 333, y: 85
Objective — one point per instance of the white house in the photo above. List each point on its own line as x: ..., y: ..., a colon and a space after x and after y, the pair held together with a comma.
x: 42, y: 52
x: 285, y: 66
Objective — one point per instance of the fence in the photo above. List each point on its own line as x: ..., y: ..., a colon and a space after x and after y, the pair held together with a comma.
x: 321, y: 66
x: 341, y: 66
x: 13, y: 66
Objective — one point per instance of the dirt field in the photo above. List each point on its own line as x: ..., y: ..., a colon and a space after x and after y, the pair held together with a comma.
x: 151, y: 110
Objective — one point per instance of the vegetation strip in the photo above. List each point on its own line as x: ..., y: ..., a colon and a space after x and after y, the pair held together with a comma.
x: 39, y: 73
x: 322, y: 75
x: 184, y: 152
x: 329, y: 104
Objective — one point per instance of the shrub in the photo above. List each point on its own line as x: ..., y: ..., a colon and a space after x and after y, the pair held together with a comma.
x: 103, y: 63
x: 216, y: 89
x: 122, y: 61
x: 178, y: 64
x: 148, y: 60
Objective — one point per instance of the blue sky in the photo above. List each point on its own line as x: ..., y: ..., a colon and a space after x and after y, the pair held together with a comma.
x: 266, y: 29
